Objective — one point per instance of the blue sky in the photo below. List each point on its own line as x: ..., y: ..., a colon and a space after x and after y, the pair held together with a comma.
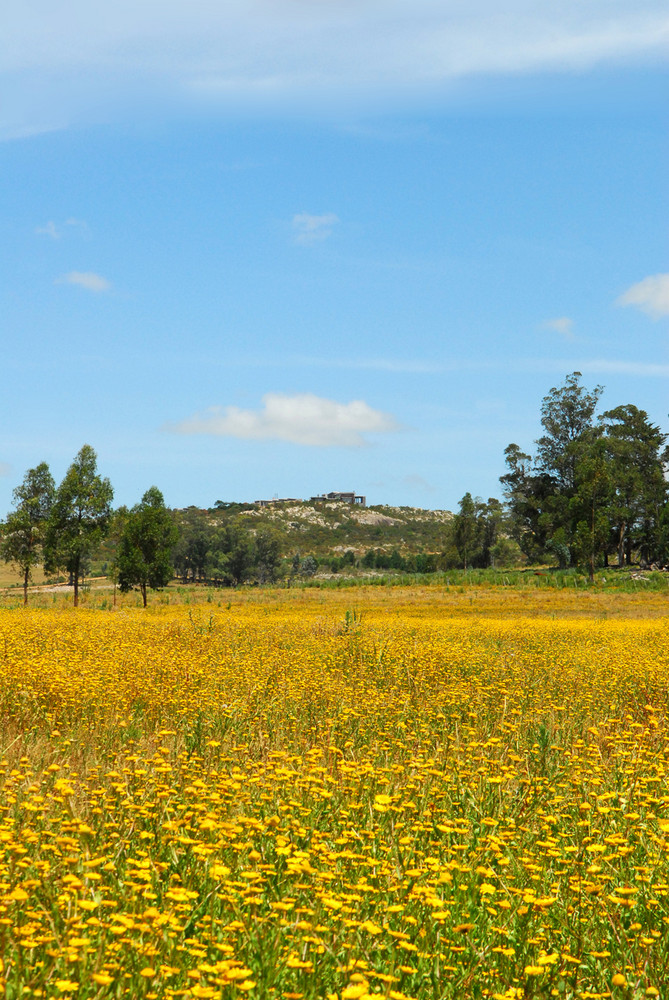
x: 279, y: 249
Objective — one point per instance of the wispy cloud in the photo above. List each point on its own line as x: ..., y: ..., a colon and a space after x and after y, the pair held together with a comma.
x: 62, y: 60
x: 85, y: 279
x: 310, y: 229
x: 303, y: 419
x: 50, y: 229
x: 56, y: 231
x: 5, y: 468
x: 650, y: 295
x: 562, y: 325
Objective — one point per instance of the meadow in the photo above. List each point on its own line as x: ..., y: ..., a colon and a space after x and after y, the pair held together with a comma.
x: 388, y: 792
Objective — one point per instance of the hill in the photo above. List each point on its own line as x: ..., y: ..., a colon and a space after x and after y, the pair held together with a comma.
x: 332, y: 528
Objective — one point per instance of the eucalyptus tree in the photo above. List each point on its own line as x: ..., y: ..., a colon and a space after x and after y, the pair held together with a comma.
x: 148, y: 537
x: 25, y: 528
x: 639, y: 486
x: 80, y: 516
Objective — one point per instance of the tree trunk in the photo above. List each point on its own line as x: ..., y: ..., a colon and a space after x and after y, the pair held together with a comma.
x: 26, y: 577
x: 143, y: 586
x: 75, y: 577
x: 621, y: 546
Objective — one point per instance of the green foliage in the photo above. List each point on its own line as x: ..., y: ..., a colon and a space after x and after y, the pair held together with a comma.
x: 566, y: 416
x: 590, y: 506
x: 25, y: 529
x: 308, y: 566
x: 476, y: 529
x: 148, y: 537
x: 639, y: 489
x: 267, y: 554
x: 594, y: 489
x: 80, y: 517
x: 191, y: 551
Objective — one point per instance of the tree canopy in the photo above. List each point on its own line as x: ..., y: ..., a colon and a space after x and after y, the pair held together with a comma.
x: 26, y: 526
x: 148, y: 536
x: 595, y: 487
x: 80, y: 516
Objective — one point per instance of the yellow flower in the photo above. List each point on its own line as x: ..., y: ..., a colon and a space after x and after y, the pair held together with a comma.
x: 381, y: 802
x: 354, y: 991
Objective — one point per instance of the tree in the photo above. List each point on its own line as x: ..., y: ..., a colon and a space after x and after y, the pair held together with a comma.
x: 467, y: 530
x: 491, y: 519
x: 540, y: 492
x: 192, y: 550
x: 308, y: 566
x: 526, y: 492
x: 145, y: 549
x: 240, y: 553
x: 268, y: 554
x: 639, y: 488
x: 230, y: 554
x: 566, y: 416
x: 590, y: 507
x: 80, y: 516
x: 25, y: 529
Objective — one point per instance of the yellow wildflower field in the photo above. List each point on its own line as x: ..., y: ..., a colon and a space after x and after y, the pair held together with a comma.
x: 306, y: 795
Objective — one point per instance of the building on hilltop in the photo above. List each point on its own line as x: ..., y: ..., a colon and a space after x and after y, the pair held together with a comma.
x: 352, y: 498
x: 270, y: 503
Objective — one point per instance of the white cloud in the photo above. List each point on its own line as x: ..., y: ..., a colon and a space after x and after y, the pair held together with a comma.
x: 5, y: 469
x: 303, y: 419
x: 650, y: 295
x: 56, y: 231
x: 313, y: 228
x: 50, y: 229
x: 562, y: 324
x: 85, y: 279
x: 75, y: 58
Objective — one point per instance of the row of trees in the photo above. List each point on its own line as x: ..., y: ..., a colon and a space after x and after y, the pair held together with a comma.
x: 225, y: 552
x: 59, y: 528
x: 595, y: 488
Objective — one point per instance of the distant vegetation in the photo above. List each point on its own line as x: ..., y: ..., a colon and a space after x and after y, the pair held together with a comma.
x: 594, y: 493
